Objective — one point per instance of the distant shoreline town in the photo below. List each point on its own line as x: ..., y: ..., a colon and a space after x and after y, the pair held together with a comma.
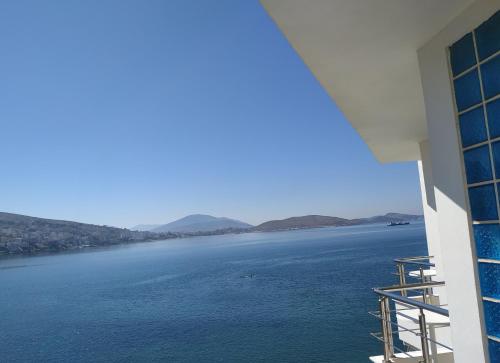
x: 26, y: 235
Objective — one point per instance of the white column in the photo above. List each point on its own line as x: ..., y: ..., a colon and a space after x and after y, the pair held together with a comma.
x: 431, y: 215
x: 454, y: 227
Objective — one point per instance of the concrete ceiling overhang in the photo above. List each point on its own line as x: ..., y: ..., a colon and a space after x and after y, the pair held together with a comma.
x: 364, y: 53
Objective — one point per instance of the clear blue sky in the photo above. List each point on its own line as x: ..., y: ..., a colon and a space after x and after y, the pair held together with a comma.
x: 122, y: 112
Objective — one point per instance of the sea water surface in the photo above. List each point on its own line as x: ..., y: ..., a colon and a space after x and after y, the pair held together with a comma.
x: 295, y: 296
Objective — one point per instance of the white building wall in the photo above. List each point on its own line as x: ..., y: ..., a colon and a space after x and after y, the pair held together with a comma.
x: 454, y: 226
x: 431, y: 216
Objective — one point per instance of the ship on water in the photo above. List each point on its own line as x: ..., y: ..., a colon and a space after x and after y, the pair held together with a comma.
x: 402, y: 223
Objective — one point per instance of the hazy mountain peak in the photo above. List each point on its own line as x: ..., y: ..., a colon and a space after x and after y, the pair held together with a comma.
x: 201, y: 223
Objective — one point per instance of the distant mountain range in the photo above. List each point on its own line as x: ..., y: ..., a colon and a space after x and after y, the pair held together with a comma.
x: 195, y: 223
x: 21, y: 234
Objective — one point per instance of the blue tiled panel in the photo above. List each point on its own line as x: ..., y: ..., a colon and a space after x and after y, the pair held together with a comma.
x: 495, y: 147
x: 467, y: 90
x: 483, y: 203
x: 473, y: 127
x: 488, y: 36
x: 487, y: 237
x: 478, y: 164
x: 462, y: 54
x: 492, y: 317
x: 493, y: 111
x: 494, y: 349
x: 473, y: 130
x: 491, y: 77
x: 489, y: 275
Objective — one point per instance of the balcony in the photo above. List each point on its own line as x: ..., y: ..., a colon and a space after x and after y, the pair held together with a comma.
x: 412, y: 311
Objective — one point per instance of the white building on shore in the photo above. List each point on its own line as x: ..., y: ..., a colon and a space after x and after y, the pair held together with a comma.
x: 420, y: 80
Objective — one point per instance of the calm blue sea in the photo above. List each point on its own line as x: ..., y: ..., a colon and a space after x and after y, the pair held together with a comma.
x: 297, y: 296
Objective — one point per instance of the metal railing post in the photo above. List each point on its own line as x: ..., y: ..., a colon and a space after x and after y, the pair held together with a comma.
x: 423, y: 336
x: 385, y: 315
x: 383, y: 325
x: 422, y: 279
x: 390, y: 344
x: 402, y: 278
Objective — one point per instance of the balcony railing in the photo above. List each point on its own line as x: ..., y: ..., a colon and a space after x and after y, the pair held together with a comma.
x: 417, y: 313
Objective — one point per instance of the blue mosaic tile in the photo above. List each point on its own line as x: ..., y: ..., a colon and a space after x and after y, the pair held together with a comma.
x: 478, y: 164
x: 489, y: 277
x: 462, y: 54
x: 495, y: 148
x: 473, y: 127
x: 488, y: 37
x: 490, y: 72
x: 467, y: 90
x: 493, y: 112
x: 487, y: 238
x: 483, y: 203
x: 494, y: 350
x: 492, y: 318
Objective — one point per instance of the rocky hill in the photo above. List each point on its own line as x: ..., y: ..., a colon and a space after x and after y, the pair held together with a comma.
x: 311, y: 221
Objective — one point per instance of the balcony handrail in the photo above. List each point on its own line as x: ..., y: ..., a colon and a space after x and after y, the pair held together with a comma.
x: 415, y: 261
x: 418, y: 261
x: 413, y: 286
x: 413, y: 302
x: 398, y: 293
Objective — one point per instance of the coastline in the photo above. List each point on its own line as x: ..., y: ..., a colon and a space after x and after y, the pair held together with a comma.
x: 88, y: 248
